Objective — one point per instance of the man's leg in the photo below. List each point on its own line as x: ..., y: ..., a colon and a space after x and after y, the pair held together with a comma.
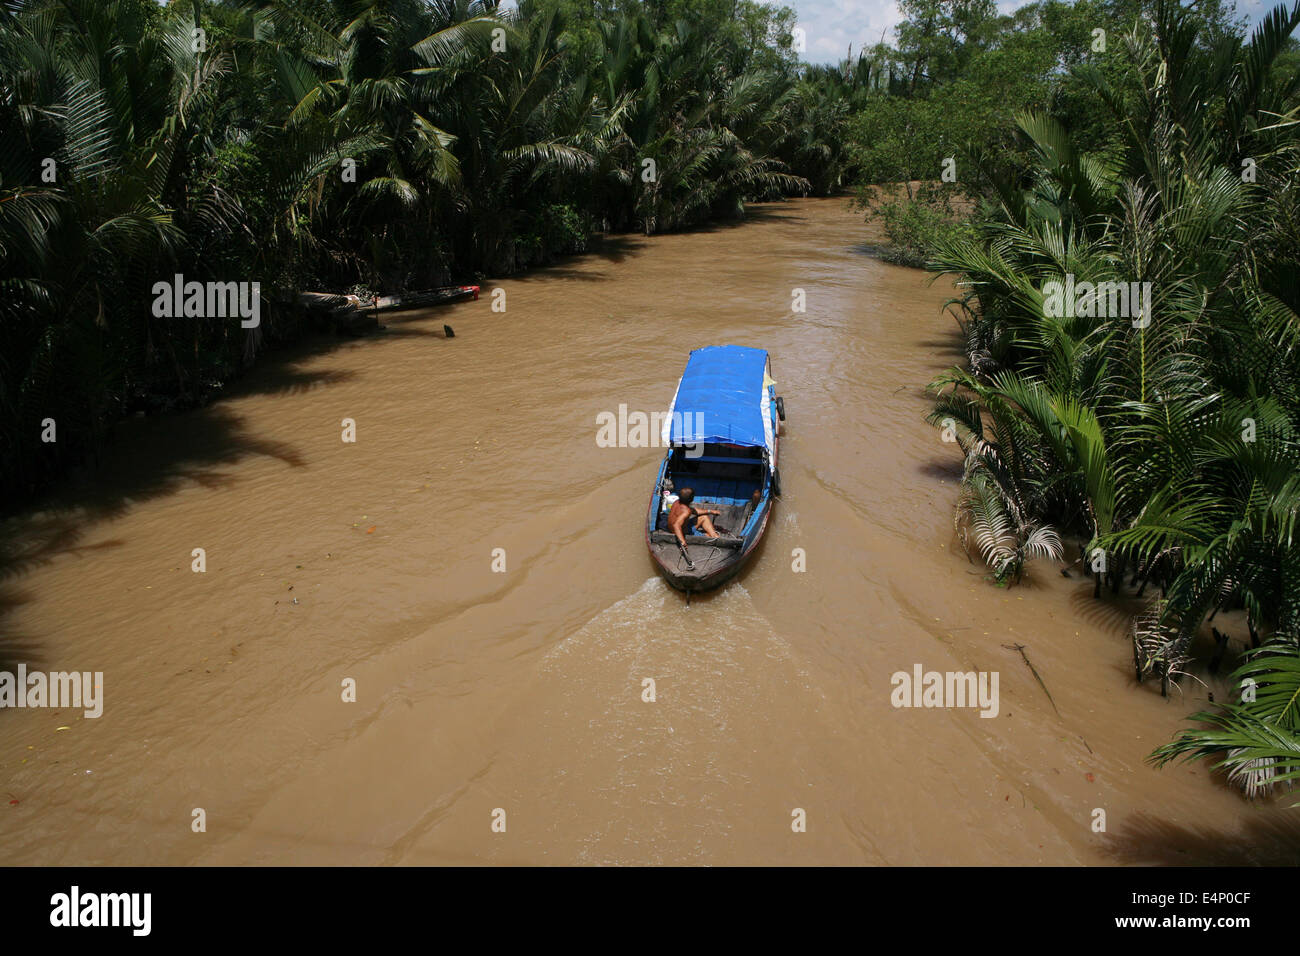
x: 706, y: 525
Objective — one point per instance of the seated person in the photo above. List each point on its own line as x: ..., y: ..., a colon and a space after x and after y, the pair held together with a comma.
x: 683, y: 517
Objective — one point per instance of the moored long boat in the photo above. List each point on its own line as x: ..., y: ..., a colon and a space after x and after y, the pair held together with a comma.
x: 418, y: 300
x: 722, y: 434
x: 335, y: 303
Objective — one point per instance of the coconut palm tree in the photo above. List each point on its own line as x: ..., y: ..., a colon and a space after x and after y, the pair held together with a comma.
x: 1169, y: 440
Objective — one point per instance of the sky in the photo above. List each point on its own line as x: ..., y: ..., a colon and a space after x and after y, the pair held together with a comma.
x: 831, y: 25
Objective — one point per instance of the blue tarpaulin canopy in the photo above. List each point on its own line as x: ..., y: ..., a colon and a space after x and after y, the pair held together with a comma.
x: 723, y: 397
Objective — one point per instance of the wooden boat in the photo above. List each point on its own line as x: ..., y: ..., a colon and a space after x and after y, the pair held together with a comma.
x: 419, y: 300
x: 722, y: 439
x: 354, y: 315
x: 341, y: 304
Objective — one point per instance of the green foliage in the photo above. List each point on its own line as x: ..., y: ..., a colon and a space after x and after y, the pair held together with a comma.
x: 1256, y: 738
x: 916, y: 221
x: 1171, y: 444
x: 946, y: 101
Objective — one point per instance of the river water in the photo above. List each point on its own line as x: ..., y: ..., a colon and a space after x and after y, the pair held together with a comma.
x: 516, y: 696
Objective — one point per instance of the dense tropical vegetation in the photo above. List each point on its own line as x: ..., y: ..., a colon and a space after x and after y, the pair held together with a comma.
x: 1130, y: 300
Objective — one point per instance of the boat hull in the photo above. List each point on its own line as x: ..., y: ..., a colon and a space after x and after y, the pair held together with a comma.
x: 714, y: 567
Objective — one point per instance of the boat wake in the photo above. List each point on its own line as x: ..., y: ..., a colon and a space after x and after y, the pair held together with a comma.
x: 654, y: 627
x: 668, y: 714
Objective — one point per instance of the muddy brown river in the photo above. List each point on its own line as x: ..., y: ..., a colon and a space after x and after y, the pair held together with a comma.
x: 499, y: 714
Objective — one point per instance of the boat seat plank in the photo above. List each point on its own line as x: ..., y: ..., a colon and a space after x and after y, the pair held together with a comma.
x: 719, y: 459
x: 694, y: 541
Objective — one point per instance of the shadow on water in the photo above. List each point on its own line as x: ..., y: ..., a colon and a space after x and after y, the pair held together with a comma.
x: 616, y: 247
x: 761, y: 213
x: 15, y: 648
x: 1267, y: 840
x: 287, y: 381
x: 404, y: 328
x: 145, y: 458
x: 1110, y: 613
x: 949, y: 345
x: 949, y: 469
x: 47, y: 536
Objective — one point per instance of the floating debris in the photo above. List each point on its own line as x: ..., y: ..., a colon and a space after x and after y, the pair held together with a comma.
x: 1034, y: 671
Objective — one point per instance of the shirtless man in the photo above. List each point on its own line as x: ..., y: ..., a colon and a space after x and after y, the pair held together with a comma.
x: 682, y: 517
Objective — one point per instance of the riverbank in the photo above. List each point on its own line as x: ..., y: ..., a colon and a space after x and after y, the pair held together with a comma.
x: 521, y: 690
